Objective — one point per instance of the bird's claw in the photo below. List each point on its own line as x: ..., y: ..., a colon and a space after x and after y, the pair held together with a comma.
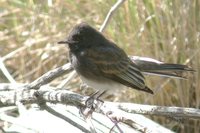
x: 92, y: 103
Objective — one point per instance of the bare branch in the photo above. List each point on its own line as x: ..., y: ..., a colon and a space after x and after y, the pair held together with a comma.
x: 49, y: 76
x: 172, y: 112
x: 8, y: 86
x: 49, y: 94
x: 110, y: 14
x: 6, y: 72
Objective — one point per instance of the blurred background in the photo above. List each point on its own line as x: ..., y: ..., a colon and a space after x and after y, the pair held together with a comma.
x: 166, y: 30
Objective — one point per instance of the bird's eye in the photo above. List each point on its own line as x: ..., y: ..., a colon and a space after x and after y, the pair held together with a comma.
x: 78, y: 37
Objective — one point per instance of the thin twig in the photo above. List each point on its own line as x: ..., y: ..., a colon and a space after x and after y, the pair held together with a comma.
x: 49, y: 76
x: 110, y: 13
x: 67, y: 80
x: 6, y: 72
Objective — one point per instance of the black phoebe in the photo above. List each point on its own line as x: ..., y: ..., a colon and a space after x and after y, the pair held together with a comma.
x: 102, y: 65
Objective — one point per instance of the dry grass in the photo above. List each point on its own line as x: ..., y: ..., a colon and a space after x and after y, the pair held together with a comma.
x: 165, y: 30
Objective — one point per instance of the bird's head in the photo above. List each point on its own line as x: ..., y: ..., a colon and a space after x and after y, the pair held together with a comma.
x: 82, y: 36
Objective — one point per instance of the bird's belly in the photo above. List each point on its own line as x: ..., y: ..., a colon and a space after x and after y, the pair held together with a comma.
x: 102, y: 84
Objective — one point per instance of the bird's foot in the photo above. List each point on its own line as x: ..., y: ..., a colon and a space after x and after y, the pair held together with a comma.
x: 94, y: 98
x: 92, y: 103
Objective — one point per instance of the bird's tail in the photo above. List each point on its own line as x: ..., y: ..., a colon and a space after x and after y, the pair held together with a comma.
x: 154, y: 67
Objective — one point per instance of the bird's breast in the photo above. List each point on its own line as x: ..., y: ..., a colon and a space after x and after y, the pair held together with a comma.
x: 84, y: 66
x: 101, y: 83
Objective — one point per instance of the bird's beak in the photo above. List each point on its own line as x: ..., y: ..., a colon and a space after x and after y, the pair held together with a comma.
x: 67, y: 42
x: 63, y: 42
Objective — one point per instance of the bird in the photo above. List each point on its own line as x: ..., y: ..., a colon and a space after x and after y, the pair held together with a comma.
x: 102, y: 65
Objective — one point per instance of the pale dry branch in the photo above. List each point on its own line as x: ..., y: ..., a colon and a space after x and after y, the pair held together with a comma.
x: 49, y: 76
x: 48, y: 94
x: 123, y: 112
x: 110, y: 14
x: 171, y: 112
x: 9, y: 87
x: 6, y: 72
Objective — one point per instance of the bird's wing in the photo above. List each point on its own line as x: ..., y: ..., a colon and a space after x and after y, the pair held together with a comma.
x: 114, y: 64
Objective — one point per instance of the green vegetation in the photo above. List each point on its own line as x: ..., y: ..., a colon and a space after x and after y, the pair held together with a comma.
x: 167, y: 30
